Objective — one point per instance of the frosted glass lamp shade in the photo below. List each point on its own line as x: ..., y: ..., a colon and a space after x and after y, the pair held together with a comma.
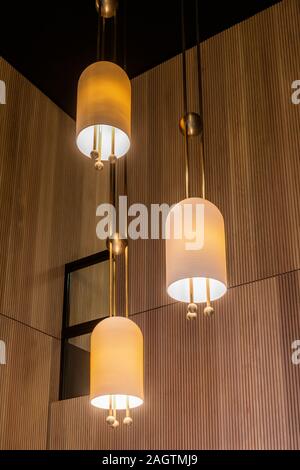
x: 206, y: 261
x: 117, y: 364
x: 104, y: 99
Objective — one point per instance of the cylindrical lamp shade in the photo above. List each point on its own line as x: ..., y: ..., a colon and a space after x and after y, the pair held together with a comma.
x: 117, y: 364
x: 195, y: 251
x: 104, y: 101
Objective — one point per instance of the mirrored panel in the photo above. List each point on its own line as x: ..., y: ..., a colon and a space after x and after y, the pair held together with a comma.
x: 89, y: 293
x: 76, y: 366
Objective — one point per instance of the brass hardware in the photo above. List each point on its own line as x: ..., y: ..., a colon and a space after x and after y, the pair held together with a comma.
x: 94, y: 154
x: 110, y: 420
x: 118, y: 244
x: 209, y: 310
x: 126, y: 282
x: 192, y: 311
x: 98, y: 165
x: 112, y: 159
x: 127, y: 420
x: 191, y: 123
x: 108, y: 7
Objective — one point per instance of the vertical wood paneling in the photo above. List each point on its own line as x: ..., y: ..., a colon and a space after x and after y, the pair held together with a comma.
x: 221, y: 383
x: 253, y: 168
x: 152, y: 175
x: 226, y: 382
x: 48, y: 197
x: 252, y: 149
x: 27, y: 383
x: 49, y: 194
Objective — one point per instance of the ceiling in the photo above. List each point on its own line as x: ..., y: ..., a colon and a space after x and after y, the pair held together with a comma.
x: 50, y: 43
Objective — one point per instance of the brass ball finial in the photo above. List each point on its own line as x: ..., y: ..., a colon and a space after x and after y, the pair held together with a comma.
x: 209, y: 311
x: 118, y: 244
x: 191, y: 124
x: 98, y: 165
x: 127, y: 420
x: 95, y: 155
x: 108, y: 7
x: 110, y: 420
x: 112, y: 159
x: 191, y: 311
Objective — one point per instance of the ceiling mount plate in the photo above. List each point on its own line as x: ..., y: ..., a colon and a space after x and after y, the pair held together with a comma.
x: 108, y: 7
x: 191, y: 123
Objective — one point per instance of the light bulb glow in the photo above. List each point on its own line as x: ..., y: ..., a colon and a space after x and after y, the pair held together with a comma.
x: 180, y: 290
x: 120, y: 401
x: 86, y: 136
x: 104, y: 100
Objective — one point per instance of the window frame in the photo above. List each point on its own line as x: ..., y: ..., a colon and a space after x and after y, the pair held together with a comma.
x: 79, y: 329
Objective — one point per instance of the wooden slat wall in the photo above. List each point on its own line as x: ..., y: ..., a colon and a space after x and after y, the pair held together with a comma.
x: 228, y: 383
x: 252, y: 149
x: 225, y: 382
x: 253, y: 167
x: 28, y: 382
x: 48, y: 197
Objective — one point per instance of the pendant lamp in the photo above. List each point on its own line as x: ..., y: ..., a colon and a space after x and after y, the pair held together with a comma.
x: 103, y: 121
x: 117, y: 364
x: 195, y: 275
x: 117, y: 355
x: 117, y: 351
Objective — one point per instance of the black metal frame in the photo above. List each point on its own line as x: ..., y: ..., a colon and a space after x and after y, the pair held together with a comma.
x: 82, y: 328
